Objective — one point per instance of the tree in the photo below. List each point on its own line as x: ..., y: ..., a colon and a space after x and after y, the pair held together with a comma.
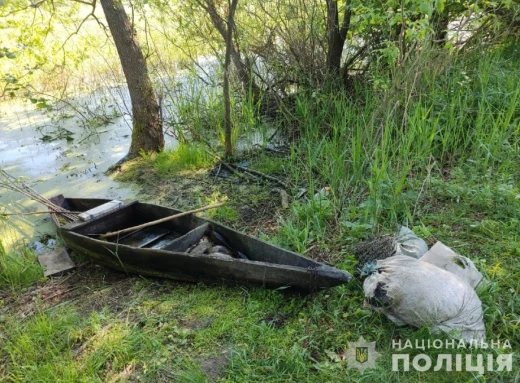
x: 336, y: 35
x: 228, y: 126
x: 243, y: 70
x: 147, y: 131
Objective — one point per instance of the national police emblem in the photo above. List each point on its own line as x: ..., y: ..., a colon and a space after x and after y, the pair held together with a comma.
x: 361, y: 354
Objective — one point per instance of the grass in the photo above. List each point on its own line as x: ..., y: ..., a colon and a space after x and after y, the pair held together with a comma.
x: 269, y: 165
x: 226, y: 214
x: 442, y: 158
x: 183, y: 158
x: 379, y: 155
x: 42, y: 349
x: 18, y: 267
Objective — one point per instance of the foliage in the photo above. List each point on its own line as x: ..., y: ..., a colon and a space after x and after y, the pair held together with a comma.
x: 381, y: 155
x: 284, y: 43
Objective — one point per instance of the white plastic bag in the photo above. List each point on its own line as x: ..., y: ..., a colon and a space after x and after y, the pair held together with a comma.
x: 409, y: 291
x: 442, y: 256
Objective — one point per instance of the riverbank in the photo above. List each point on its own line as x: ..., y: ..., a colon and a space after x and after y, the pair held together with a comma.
x: 101, y: 325
x: 446, y: 166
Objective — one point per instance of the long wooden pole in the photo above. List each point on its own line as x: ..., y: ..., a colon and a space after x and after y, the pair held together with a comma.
x: 127, y: 230
x: 44, y: 212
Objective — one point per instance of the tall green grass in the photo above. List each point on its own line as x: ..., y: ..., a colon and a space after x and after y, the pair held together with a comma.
x: 197, y: 113
x: 379, y: 149
x: 18, y: 267
x: 183, y: 158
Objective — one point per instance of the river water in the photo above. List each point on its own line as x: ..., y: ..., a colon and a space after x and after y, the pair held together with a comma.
x: 35, y: 147
x: 72, y: 167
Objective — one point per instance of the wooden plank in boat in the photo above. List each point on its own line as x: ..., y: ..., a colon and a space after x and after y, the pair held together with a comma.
x: 161, y: 242
x: 116, y: 220
x: 154, y: 239
x: 101, y: 210
x: 183, y: 243
x: 120, y: 239
x: 143, y: 237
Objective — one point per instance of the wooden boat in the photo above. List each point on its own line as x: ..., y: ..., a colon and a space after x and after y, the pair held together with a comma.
x: 161, y: 250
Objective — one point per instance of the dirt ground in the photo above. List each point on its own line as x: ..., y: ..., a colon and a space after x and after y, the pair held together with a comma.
x: 251, y: 206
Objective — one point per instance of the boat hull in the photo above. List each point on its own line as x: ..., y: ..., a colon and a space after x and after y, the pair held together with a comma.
x: 266, y: 265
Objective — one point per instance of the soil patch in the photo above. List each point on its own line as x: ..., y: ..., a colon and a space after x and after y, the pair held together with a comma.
x: 250, y: 206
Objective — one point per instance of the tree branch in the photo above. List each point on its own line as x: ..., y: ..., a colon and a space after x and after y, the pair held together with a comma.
x: 345, y: 25
x: 93, y: 5
x: 35, y: 5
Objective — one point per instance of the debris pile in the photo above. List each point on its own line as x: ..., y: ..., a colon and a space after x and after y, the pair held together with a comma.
x: 416, y: 286
x: 216, y: 246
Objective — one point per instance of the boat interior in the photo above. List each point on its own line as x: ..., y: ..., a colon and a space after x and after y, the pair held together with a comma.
x: 177, y: 235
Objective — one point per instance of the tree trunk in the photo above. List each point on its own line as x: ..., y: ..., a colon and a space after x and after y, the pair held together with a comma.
x: 336, y: 35
x: 147, y: 131
x: 243, y: 71
x: 439, y: 23
x: 227, y: 99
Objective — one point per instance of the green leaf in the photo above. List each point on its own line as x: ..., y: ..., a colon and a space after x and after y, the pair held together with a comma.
x: 440, y: 5
x: 425, y: 8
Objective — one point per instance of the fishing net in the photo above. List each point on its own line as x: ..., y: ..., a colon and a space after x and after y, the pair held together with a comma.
x: 403, y: 242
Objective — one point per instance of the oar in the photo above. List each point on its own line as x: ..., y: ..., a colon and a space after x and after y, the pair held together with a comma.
x: 127, y: 230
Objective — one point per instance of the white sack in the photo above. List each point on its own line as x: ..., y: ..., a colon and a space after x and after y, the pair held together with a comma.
x: 408, y: 243
x: 409, y: 291
x: 442, y: 256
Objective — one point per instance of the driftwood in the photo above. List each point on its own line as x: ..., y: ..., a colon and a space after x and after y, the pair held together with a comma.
x: 9, y: 182
x: 165, y: 219
x: 255, y: 174
x: 260, y: 174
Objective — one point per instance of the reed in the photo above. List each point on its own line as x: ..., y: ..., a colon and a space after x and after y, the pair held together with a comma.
x: 9, y: 182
